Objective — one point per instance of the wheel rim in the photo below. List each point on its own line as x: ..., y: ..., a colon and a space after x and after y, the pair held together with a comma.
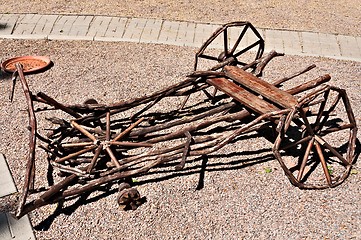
x: 316, y: 147
x: 238, y: 41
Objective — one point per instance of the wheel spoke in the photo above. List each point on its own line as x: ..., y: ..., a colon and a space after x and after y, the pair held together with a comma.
x: 112, y: 157
x: 323, y: 163
x: 302, y: 140
x: 240, y: 63
x: 307, y: 124
x: 95, y: 158
x: 107, y: 134
x: 336, y: 129
x: 208, y: 57
x: 238, y: 40
x: 320, y: 111
x: 329, y: 147
x: 246, y: 49
x: 83, y: 130
x: 88, y: 149
x: 305, y: 158
x: 225, y: 42
x: 329, y: 111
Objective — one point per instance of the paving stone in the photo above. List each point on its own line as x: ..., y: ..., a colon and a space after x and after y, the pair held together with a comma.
x: 7, y: 185
x: 45, y: 24
x: 169, y: 32
x: 202, y: 34
x: 349, y: 46
x: 63, y: 25
x: 80, y: 26
x: 99, y: 26
x: 151, y: 31
x: 273, y: 41
x: 310, y: 43
x: 329, y: 45
x: 116, y: 27
x: 186, y: 33
x: 134, y: 29
x: 7, y: 23
x: 13, y: 229
x: 26, y: 24
x: 291, y: 42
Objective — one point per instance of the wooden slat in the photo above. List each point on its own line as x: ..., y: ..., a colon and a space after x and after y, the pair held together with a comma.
x: 242, y: 95
x: 261, y: 87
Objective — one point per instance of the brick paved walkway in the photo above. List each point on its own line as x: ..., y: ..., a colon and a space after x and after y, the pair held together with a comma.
x: 11, y: 228
x: 107, y: 28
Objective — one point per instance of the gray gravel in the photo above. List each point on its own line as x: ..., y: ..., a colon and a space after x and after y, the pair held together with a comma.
x: 238, y: 200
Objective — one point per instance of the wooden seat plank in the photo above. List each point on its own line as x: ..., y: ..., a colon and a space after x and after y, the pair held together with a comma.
x: 242, y: 95
x: 261, y: 87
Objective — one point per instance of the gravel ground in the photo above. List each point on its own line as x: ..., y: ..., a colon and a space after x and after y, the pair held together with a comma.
x: 328, y: 16
x: 239, y: 199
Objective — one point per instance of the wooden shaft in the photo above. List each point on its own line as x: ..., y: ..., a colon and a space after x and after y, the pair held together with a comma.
x: 30, y: 164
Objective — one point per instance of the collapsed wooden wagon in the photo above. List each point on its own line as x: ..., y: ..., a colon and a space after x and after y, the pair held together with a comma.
x: 314, y: 129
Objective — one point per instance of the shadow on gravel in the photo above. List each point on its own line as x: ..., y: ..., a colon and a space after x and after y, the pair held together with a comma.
x: 163, y: 173
x: 357, y: 150
x: 166, y: 172
x: 198, y: 166
x: 4, y: 76
x: 68, y: 210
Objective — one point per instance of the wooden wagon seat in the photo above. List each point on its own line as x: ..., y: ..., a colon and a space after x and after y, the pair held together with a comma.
x: 250, y: 100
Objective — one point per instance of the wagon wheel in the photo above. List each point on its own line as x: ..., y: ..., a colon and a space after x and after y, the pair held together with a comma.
x: 240, y: 43
x: 316, y: 145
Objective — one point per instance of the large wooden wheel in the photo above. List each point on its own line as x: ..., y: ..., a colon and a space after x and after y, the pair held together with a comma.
x: 238, y: 42
x: 316, y: 143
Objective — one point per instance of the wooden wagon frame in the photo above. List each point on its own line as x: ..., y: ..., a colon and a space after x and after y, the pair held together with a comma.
x: 313, y: 124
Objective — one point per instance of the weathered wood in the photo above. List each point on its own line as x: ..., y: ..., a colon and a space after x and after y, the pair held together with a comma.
x: 57, y: 105
x: 67, y: 144
x: 261, y: 87
x: 309, y: 85
x: 128, y: 130
x: 30, y: 163
x: 185, y: 151
x: 242, y: 95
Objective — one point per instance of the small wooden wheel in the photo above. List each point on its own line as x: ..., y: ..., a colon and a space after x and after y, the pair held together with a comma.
x: 316, y: 144
x: 128, y: 197
x: 240, y: 43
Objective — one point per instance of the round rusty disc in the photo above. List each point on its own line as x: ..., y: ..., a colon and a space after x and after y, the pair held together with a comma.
x: 30, y: 63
